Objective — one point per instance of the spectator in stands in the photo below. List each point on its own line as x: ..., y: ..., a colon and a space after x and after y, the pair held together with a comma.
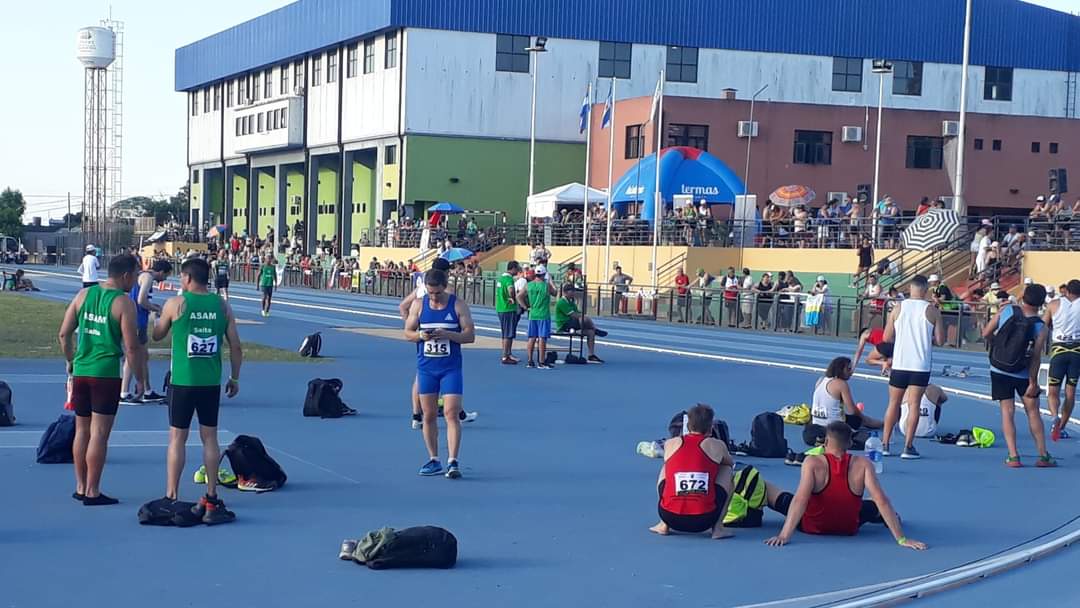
x: 789, y: 303
x: 574, y: 276
x: 764, y: 292
x: 990, y: 299
x: 569, y: 317
x: 800, y: 221
x: 682, y: 291
x: 621, y: 281
x: 924, y: 206
x: 888, y: 219
x: 982, y: 248
x: 539, y: 255
x: 704, y: 285
x: 731, y: 286
x: 866, y: 257
x: 1011, y: 236
x: 746, y: 299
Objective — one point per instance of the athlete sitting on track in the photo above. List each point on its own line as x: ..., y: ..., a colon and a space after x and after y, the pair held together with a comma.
x: 833, y: 402
x: 695, y: 480
x: 829, y: 498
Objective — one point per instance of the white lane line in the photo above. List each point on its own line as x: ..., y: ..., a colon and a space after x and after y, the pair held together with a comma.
x: 312, y: 464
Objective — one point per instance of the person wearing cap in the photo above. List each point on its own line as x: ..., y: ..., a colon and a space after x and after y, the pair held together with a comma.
x: 89, y: 267
x: 990, y: 299
x: 569, y: 317
x: 821, y: 288
x: 536, y: 299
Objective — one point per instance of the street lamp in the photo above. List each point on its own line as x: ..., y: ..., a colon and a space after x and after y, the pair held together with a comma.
x: 879, y: 67
x: 749, y: 139
x: 960, y: 205
x: 540, y: 46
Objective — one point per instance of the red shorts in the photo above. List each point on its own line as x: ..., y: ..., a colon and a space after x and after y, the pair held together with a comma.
x: 97, y: 395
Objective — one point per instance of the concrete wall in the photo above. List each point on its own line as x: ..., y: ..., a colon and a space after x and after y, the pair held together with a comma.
x: 322, y: 105
x: 371, y: 101
x: 204, y: 133
x: 1052, y: 267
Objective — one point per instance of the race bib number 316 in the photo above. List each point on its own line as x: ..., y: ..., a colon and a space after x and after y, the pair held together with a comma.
x: 437, y: 348
x: 202, y: 347
x: 691, y: 482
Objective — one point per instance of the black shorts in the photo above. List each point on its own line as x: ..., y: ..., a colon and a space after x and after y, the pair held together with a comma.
x: 221, y: 283
x: 95, y: 395
x: 185, y: 401
x: 1064, y: 363
x: 868, y: 514
x: 1006, y: 387
x: 571, y: 324
x: 814, y: 434
x: 900, y: 378
x: 89, y: 284
x: 693, y: 524
x: 508, y: 322
x: 885, y: 349
x: 268, y: 290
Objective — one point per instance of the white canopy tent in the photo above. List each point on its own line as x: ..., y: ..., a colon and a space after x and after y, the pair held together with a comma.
x: 544, y: 204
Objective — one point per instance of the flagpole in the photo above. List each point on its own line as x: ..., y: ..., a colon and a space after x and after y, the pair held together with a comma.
x: 658, y: 205
x: 610, y: 184
x: 585, y: 205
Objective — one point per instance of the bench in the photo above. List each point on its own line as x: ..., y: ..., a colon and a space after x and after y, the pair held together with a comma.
x: 571, y: 335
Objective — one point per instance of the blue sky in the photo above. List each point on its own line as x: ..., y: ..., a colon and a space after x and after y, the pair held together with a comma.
x: 41, y: 151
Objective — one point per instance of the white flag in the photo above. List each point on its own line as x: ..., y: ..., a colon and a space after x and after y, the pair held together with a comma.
x: 656, y: 98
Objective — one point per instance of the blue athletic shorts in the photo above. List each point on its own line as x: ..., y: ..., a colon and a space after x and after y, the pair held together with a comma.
x: 444, y: 382
x: 540, y: 329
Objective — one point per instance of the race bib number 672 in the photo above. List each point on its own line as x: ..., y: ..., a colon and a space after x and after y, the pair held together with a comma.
x: 202, y: 347
x: 691, y: 482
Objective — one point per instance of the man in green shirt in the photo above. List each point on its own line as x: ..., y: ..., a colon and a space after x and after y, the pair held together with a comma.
x: 267, y: 276
x: 198, y: 320
x: 536, y: 299
x: 569, y: 317
x: 507, y: 308
x: 104, y: 318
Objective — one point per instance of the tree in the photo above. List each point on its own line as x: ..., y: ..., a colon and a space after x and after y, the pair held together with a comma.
x: 12, y: 208
x: 181, y: 203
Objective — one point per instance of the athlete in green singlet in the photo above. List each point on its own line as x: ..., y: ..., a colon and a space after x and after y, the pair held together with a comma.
x: 199, y: 320
x: 104, y: 319
x: 267, y: 278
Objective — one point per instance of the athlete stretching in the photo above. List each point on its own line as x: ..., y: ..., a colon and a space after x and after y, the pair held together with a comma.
x: 142, y: 295
x: 440, y: 323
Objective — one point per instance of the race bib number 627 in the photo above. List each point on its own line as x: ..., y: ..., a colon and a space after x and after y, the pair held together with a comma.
x: 202, y: 347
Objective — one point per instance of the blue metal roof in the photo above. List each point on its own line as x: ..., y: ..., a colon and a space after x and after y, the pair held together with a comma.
x: 1006, y: 32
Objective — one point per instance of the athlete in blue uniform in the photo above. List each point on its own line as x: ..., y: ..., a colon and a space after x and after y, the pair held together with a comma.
x: 141, y: 294
x: 440, y: 323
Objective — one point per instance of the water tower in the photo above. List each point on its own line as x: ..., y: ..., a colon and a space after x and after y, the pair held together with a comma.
x: 97, y: 49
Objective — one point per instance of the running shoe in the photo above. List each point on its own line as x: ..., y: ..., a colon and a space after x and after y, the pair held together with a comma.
x: 514, y: 359
x: 1046, y: 461
x: 595, y: 359
x: 153, y: 396
x: 200, y: 475
x: 651, y: 449
x: 530, y: 365
x: 225, y: 477
x: 348, y: 547
x: 470, y: 416
x: 545, y: 365
x: 453, y: 471
x: 432, y: 468
x: 132, y: 400
x: 601, y: 333
x: 417, y: 424
x: 793, y: 459
x: 509, y: 361
x: 1065, y: 434
x: 1013, y: 462
x: 910, y: 454
x: 252, y: 485
x: 212, y: 511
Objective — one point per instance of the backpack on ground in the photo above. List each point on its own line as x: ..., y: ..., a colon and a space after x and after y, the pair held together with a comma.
x: 1010, y: 349
x: 677, y: 428
x: 747, y: 505
x: 56, y: 443
x: 551, y: 358
x: 311, y: 345
x: 419, y: 547
x: 251, y: 463
x: 323, y: 399
x: 572, y: 359
x: 165, y: 512
x: 7, y: 409
x: 767, y: 436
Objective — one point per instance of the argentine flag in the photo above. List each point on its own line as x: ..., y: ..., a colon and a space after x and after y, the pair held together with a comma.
x: 584, y: 113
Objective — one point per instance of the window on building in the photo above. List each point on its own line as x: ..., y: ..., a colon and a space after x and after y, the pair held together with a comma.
x: 996, y: 145
x: 331, y: 66
x: 694, y: 136
x: 256, y: 86
x: 635, y: 141
x: 1035, y: 147
x: 907, y: 78
x: 229, y: 86
x: 510, y: 53
x: 206, y: 100
x: 284, y: 119
x: 369, y: 55
x: 239, y: 126
x: 998, y: 84
x: 682, y: 64
x: 241, y: 90
x: 250, y: 124
x: 268, y: 83
x: 217, y: 96
x: 978, y: 143
x: 847, y: 74
x: 316, y: 70
x: 1053, y: 147
x: 298, y: 75
x: 390, y: 50
x: 283, y: 76
x: 813, y: 148
x: 615, y: 60
x: 390, y: 155
x: 259, y: 128
x: 272, y: 120
x: 350, y: 61
x: 924, y: 152
x: 194, y: 103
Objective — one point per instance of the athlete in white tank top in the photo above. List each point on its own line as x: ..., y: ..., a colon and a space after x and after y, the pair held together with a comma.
x: 914, y: 341
x: 1066, y: 321
x: 825, y: 408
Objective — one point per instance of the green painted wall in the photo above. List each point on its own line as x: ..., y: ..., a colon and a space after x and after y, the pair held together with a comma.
x: 214, y: 196
x: 327, y: 196
x: 267, y: 204
x: 363, y: 197
x: 294, y: 187
x: 492, y: 174
x: 240, y: 203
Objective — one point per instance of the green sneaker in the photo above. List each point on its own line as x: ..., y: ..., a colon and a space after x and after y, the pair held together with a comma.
x: 225, y: 477
x: 200, y: 475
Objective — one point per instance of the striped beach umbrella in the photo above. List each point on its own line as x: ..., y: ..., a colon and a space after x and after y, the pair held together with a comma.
x: 792, y: 196
x: 931, y: 230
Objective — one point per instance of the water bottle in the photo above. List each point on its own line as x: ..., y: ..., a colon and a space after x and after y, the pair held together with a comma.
x: 873, y: 452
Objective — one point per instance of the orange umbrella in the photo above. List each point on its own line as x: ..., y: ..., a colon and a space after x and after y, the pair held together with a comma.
x: 792, y: 196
